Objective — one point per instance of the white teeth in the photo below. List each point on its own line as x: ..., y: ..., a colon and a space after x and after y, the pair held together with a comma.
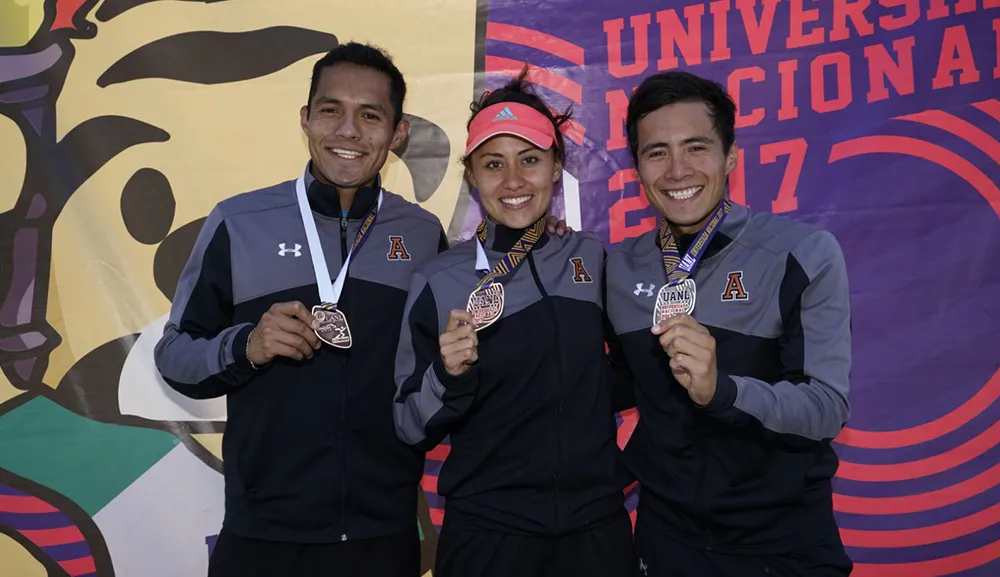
x: 348, y: 154
x: 515, y: 201
x: 684, y: 193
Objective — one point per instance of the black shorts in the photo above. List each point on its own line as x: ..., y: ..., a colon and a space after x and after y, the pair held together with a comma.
x: 659, y: 555
x: 602, y: 551
x: 394, y: 556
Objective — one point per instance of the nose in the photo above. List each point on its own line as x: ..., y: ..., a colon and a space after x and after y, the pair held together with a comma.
x: 679, y: 168
x: 348, y: 128
x: 512, y: 178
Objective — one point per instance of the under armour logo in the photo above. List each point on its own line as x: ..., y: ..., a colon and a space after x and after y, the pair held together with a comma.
x: 282, y: 251
x: 639, y: 289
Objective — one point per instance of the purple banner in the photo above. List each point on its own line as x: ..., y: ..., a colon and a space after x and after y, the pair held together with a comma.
x: 879, y: 121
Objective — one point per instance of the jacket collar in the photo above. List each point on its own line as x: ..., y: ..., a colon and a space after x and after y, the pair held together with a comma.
x: 324, y: 199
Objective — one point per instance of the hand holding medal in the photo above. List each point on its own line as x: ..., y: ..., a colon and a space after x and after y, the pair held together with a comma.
x: 692, y: 355
x: 459, y: 343
x: 285, y: 330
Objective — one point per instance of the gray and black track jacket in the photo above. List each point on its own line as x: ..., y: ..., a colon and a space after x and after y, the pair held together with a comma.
x: 310, y: 450
x: 751, y: 472
x: 531, y: 425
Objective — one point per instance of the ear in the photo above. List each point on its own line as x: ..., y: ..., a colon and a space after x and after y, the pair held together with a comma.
x: 557, y: 169
x: 732, y: 158
x: 304, y: 119
x: 400, y: 134
x: 470, y: 178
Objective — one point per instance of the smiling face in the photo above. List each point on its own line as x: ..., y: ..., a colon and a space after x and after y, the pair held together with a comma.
x: 349, y: 125
x: 514, y: 178
x: 682, y: 164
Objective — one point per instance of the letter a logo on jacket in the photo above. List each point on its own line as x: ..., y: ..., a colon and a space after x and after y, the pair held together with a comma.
x: 580, y: 274
x: 397, y: 250
x: 734, y: 288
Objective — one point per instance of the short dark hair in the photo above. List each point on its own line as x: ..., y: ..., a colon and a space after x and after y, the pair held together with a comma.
x: 368, y: 56
x: 521, y: 91
x: 675, y: 86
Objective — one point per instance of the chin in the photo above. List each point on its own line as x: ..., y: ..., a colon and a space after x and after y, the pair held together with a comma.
x: 512, y: 219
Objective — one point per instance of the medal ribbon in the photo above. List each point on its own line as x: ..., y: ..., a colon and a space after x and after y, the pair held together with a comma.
x: 329, y: 293
x: 513, y: 257
x: 678, y: 268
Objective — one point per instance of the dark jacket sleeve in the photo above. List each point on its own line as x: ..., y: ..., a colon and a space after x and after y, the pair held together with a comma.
x: 443, y: 242
x: 429, y: 402
x: 201, y: 354
x: 810, y: 402
x: 620, y: 379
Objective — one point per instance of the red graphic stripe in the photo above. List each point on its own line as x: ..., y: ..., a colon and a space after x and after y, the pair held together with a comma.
x: 572, y: 129
x: 81, y: 566
x: 430, y: 483
x: 923, y: 535
x: 991, y: 107
x: 535, y: 39
x: 934, y: 568
x: 988, y: 189
x: 437, y: 516
x: 922, y: 502
x: 927, y: 431
x: 439, y: 453
x: 65, y: 11
x: 50, y: 537
x: 630, y: 419
x: 924, y: 467
x: 25, y: 504
x: 960, y: 128
x: 540, y: 76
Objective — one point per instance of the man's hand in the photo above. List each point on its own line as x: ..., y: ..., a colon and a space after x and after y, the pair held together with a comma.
x: 458, y: 343
x: 557, y: 227
x: 285, y: 330
x: 692, y: 355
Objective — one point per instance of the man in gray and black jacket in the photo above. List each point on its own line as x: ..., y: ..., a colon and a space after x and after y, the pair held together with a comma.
x: 736, y: 328
x: 316, y: 481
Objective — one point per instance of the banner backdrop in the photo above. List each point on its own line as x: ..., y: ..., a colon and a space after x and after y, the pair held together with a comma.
x: 122, y: 122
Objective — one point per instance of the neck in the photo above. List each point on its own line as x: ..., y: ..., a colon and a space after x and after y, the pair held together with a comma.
x: 345, y: 194
x: 501, y: 237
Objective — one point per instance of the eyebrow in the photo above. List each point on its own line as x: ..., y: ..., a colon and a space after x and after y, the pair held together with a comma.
x: 327, y: 100
x: 692, y: 140
x: 498, y: 155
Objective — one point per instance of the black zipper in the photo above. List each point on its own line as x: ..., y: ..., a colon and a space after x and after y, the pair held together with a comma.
x: 556, y: 477
x: 343, y: 398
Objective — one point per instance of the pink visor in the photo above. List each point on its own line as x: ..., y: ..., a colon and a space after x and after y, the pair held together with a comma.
x: 510, y: 118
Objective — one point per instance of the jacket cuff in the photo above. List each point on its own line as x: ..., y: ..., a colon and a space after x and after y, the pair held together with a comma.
x: 464, y: 383
x: 725, y: 394
x: 241, y: 363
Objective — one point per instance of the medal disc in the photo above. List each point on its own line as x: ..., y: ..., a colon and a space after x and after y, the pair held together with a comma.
x: 674, y: 300
x: 486, y: 305
x: 333, y: 329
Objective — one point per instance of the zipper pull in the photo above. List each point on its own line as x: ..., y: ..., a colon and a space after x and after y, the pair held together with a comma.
x: 343, y: 227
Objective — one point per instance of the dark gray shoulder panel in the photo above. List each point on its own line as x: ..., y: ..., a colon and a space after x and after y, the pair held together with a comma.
x: 573, y: 267
x: 404, y: 237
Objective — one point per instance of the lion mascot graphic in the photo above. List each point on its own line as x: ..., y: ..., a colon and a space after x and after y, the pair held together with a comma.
x: 122, y: 122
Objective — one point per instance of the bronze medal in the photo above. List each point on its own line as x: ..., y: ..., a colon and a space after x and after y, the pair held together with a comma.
x: 333, y: 329
x: 486, y: 305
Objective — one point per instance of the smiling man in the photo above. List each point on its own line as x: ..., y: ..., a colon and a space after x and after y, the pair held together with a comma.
x: 741, y: 358
x: 290, y: 305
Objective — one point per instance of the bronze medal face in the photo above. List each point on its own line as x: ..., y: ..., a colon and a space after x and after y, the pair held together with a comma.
x: 486, y: 305
x: 333, y: 329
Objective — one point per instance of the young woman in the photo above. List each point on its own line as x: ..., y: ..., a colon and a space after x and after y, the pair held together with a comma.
x: 502, y: 348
